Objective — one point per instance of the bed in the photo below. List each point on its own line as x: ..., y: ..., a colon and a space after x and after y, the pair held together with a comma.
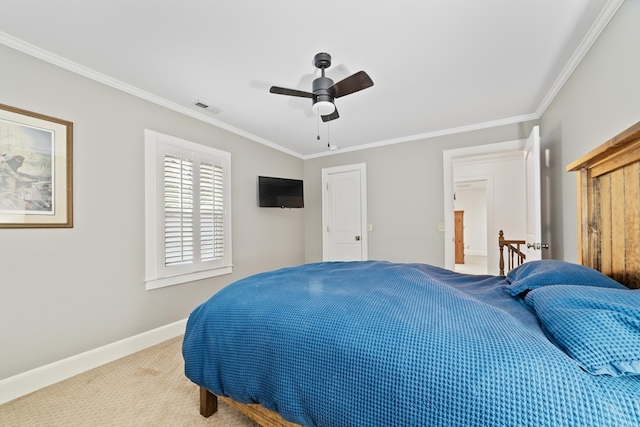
x: 380, y: 344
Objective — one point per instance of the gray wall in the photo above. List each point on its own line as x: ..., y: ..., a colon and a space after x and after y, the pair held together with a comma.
x: 600, y: 99
x: 66, y: 291
x: 405, y: 194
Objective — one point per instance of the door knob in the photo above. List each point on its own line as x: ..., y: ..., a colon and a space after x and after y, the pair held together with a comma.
x: 357, y: 238
x: 538, y: 246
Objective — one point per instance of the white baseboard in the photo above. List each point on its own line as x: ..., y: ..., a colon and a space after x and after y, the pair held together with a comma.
x: 475, y: 253
x: 35, y: 379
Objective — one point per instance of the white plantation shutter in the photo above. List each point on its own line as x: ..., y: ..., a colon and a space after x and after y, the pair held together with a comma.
x: 194, y: 211
x: 178, y: 210
x: 207, y: 209
x: 212, y: 205
x: 188, y: 220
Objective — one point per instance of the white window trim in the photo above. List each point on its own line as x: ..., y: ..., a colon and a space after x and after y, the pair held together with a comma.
x: 156, y: 275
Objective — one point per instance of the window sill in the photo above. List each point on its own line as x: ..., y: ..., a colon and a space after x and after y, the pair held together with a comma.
x: 163, y: 282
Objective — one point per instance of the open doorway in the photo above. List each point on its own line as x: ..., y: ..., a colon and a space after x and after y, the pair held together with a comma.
x: 500, y: 164
x: 470, y: 199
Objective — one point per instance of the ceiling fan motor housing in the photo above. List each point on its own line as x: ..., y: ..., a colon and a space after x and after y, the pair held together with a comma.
x: 320, y: 92
x: 321, y: 84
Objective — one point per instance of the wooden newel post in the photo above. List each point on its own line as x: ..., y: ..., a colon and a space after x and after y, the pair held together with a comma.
x: 501, y: 243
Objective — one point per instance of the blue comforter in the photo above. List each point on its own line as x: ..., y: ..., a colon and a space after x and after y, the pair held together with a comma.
x: 384, y: 344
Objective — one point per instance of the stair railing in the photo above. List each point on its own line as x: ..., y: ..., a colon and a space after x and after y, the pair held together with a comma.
x: 515, y: 256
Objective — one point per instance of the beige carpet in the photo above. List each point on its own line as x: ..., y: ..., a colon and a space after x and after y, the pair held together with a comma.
x: 147, y: 388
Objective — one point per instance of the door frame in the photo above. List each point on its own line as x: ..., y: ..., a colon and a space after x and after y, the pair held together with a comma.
x: 362, y: 168
x: 448, y: 156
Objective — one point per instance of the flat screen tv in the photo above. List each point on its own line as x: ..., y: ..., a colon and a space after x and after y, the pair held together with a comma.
x: 280, y: 193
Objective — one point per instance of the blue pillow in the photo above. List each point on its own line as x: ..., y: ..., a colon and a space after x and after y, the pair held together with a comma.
x: 536, y: 274
x: 597, y: 327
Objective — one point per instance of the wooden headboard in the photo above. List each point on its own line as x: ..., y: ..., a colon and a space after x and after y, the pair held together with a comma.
x: 609, y: 207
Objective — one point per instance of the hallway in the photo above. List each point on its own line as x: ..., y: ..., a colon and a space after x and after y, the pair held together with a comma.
x: 473, y: 264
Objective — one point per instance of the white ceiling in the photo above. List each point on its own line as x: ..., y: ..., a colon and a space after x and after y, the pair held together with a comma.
x: 438, y: 66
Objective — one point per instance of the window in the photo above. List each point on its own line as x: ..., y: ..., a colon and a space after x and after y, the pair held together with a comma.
x: 187, y: 211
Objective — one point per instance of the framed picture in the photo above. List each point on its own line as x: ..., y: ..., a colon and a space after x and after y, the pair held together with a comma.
x: 36, y: 172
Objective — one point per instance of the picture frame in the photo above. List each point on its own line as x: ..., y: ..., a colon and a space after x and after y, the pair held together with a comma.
x: 36, y: 170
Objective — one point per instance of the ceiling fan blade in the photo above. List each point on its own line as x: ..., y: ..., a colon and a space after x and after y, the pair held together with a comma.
x: 291, y: 92
x: 351, y: 84
x: 331, y: 116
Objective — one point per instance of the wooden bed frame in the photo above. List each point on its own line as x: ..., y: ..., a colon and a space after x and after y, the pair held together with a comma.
x: 609, y: 207
x: 262, y: 416
x: 609, y: 234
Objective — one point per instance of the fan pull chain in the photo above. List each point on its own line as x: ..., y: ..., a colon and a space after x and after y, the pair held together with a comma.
x: 318, y: 125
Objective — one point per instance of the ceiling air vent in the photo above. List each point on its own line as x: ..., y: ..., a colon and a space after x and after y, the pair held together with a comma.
x: 209, y: 108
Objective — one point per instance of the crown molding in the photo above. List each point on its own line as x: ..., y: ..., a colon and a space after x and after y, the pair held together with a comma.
x: 74, y: 67
x: 594, y: 32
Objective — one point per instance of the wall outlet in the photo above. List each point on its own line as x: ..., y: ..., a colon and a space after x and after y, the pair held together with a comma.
x: 441, y: 226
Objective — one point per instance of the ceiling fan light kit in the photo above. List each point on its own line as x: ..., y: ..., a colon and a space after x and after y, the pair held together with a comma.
x: 324, y: 90
x: 324, y: 108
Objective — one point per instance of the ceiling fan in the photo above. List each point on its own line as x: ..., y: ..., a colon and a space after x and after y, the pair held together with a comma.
x: 325, y: 91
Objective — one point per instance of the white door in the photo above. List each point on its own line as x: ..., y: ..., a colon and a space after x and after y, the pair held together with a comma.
x: 534, y: 208
x: 344, y: 213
